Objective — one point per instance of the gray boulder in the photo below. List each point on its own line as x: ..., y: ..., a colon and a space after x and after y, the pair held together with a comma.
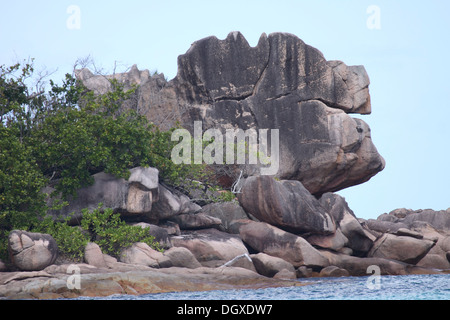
x: 273, y: 241
x: 142, y: 254
x: 211, y: 244
x: 405, y: 249
x: 171, y: 204
x: 226, y: 212
x: 189, y: 221
x: 359, y: 266
x: 132, y: 197
x: 31, y: 251
x: 385, y: 226
x: 182, y: 257
x: 281, y: 83
x: 333, y: 271
x: 269, y: 266
x: 439, y: 220
x: 359, y: 239
x: 285, y: 204
x: 93, y: 255
x: 161, y: 234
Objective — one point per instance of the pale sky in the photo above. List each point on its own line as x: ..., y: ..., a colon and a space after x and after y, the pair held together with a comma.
x: 404, y: 46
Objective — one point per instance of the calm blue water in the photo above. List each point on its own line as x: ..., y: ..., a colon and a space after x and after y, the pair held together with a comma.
x: 412, y: 287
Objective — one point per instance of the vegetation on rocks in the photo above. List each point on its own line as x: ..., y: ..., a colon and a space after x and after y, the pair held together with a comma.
x: 60, y: 138
x: 101, y: 226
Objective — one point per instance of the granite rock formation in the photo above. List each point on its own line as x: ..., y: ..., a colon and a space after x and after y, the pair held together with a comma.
x: 281, y: 83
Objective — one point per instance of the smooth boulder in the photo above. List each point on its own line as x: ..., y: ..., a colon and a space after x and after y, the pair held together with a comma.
x: 31, y: 251
x: 359, y: 239
x: 273, y: 241
x: 285, y: 204
x: 405, y: 249
x: 133, y: 197
x: 210, y: 244
x: 281, y: 83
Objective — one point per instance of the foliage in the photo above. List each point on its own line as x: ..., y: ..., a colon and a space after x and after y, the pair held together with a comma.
x: 101, y: 226
x: 111, y: 233
x: 61, y: 138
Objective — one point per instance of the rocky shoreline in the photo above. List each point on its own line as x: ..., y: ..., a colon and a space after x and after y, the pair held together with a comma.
x: 223, y: 246
x: 57, y: 282
x: 279, y: 228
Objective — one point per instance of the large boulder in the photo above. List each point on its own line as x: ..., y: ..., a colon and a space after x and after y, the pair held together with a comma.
x: 140, y: 197
x: 281, y: 83
x: 160, y: 234
x: 171, y: 204
x: 93, y: 255
x: 408, y: 218
x: 211, y: 244
x: 439, y: 220
x: 132, y: 197
x: 31, y: 251
x: 362, y: 266
x: 273, y: 241
x: 142, y: 254
x: 189, y: 221
x: 285, y: 204
x: 182, y: 257
x: 226, y: 212
x: 358, y: 238
x: 269, y: 266
x: 406, y: 249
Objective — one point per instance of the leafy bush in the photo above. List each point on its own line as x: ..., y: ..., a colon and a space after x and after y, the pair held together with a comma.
x: 111, y: 233
x: 61, y: 138
x: 101, y: 226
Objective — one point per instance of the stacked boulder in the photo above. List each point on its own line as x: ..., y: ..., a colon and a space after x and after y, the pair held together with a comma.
x: 275, y: 228
x: 287, y: 225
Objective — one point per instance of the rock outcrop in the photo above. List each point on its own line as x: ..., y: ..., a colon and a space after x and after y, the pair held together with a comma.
x: 286, y: 204
x: 31, y: 251
x: 281, y: 83
x: 268, y: 239
x: 283, y: 226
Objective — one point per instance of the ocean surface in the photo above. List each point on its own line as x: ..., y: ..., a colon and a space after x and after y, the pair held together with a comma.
x: 411, y: 287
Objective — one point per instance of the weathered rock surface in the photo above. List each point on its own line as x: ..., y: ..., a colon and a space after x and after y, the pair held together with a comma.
x: 303, y: 229
x: 285, y: 204
x: 51, y: 283
x: 281, y: 83
x: 359, y: 239
x: 333, y: 271
x: 400, y: 248
x: 189, y: 221
x: 31, y: 251
x: 134, y: 196
x: 211, y: 244
x: 269, y: 266
x: 141, y: 254
x: 93, y: 255
x: 273, y: 241
x: 182, y: 257
x: 172, y: 204
x: 226, y: 212
x: 359, y: 266
x: 427, y: 231
x: 141, y: 197
x: 161, y: 234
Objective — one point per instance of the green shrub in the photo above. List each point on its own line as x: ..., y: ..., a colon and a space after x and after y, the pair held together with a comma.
x: 112, y: 234
x: 101, y: 226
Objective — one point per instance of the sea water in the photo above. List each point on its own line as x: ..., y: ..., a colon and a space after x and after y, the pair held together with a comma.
x: 411, y: 287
